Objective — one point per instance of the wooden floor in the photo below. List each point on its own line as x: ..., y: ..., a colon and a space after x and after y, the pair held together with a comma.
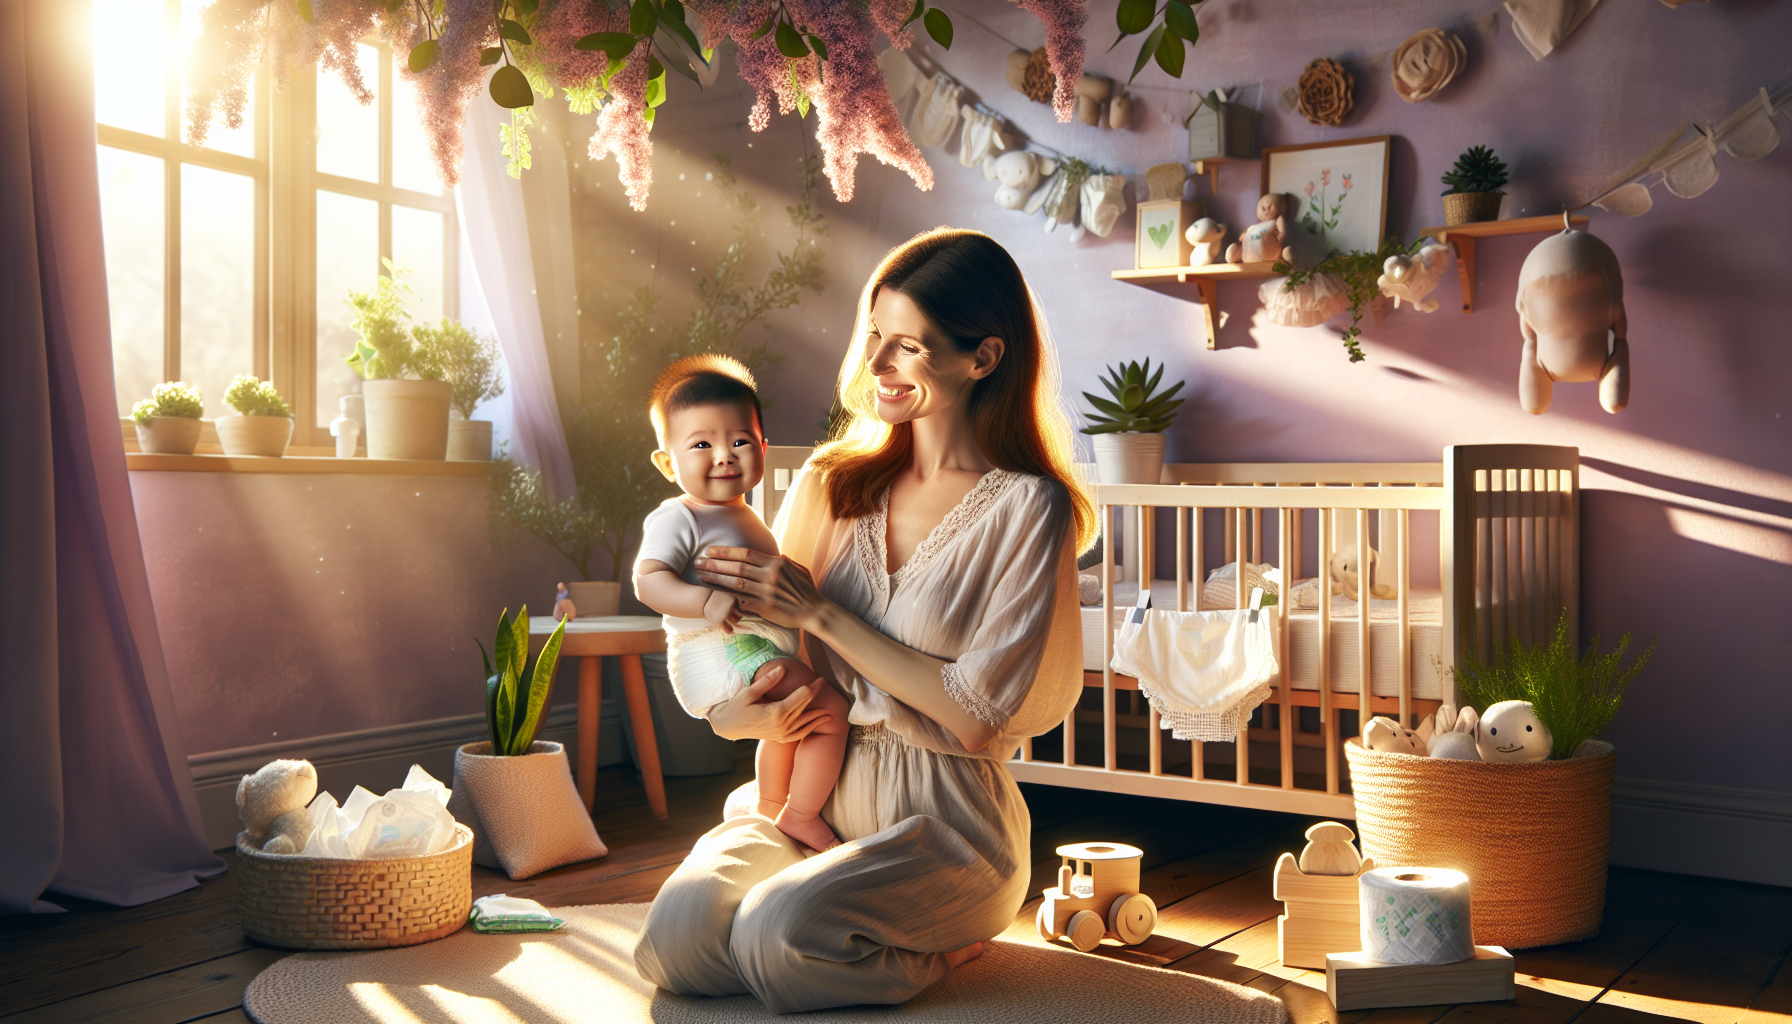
x: 1672, y: 948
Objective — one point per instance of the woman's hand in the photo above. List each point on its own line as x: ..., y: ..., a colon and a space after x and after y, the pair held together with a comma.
x: 770, y: 586
x: 785, y: 721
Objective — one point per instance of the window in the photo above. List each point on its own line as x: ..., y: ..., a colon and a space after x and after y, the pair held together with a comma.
x: 236, y: 257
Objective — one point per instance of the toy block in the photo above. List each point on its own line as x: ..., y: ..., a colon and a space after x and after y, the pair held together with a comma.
x: 1355, y: 982
x: 1323, y: 913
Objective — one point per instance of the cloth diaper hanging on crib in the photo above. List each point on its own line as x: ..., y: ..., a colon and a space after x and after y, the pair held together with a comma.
x: 1203, y: 672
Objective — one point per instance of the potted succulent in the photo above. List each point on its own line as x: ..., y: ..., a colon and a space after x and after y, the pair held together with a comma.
x: 168, y: 420
x: 1128, y: 427
x: 406, y: 399
x: 263, y: 423
x: 1546, y: 823
x: 468, y: 362
x: 514, y: 791
x: 1475, y: 187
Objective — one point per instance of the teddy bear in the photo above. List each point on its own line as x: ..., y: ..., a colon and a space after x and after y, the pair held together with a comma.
x: 1450, y: 734
x: 1511, y: 731
x: 1571, y: 315
x: 1329, y: 851
x: 1020, y: 174
x: 271, y: 804
x: 1389, y: 736
x: 1344, y: 573
x: 1411, y: 278
x: 1205, y: 235
x: 1268, y: 238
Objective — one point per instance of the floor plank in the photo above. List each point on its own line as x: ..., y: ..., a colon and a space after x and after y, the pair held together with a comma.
x: 192, y: 992
x: 1774, y: 1004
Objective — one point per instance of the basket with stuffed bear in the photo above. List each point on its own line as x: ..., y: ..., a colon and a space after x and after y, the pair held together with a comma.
x: 1512, y: 791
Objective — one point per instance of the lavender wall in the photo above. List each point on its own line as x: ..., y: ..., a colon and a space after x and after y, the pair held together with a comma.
x: 1688, y: 511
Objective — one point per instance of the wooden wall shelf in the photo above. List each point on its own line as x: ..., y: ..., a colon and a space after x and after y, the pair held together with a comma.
x: 1462, y: 238
x: 1206, y: 280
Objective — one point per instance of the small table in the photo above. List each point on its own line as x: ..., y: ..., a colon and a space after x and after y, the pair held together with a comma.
x: 626, y: 637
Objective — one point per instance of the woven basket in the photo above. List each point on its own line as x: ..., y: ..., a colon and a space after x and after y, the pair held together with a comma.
x: 330, y: 903
x: 1471, y: 207
x: 1532, y: 838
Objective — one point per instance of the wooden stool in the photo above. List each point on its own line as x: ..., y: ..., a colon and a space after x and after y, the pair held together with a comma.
x: 626, y: 637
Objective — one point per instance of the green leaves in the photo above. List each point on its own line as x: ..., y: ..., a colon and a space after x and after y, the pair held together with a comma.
x: 1170, y: 53
x: 939, y: 26
x: 423, y: 55
x: 510, y: 88
x: 1167, y: 43
x: 790, y: 43
x: 617, y: 45
x: 490, y: 55
x: 1134, y: 16
x: 1145, y: 52
x: 513, y: 31
x: 513, y: 703
x: 1136, y: 404
x: 642, y: 18
x: 1179, y: 18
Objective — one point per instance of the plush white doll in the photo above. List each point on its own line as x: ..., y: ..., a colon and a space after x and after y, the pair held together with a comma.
x: 1451, y: 734
x: 271, y: 804
x: 1020, y: 174
x: 1411, y: 278
x: 1205, y: 235
x: 1389, y: 736
x: 1268, y: 238
x: 1571, y: 314
x: 1345, y: 573
x: 1511, y: 731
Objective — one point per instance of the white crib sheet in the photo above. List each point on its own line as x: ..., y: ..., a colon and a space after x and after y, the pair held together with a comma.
x: 1424, y: 623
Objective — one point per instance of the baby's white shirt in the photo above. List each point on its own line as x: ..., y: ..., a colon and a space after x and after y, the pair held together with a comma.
x: 679, y: 530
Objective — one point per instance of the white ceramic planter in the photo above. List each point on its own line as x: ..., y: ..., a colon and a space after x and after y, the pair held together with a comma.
x: 600, y: 597
x: 254, y: 435
x: 469, y: 441
x: 407, y: 419
x: 1129, y: 458
x: 168, y: 435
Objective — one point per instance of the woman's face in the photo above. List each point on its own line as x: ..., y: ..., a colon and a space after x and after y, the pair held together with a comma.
x: 918, y: 372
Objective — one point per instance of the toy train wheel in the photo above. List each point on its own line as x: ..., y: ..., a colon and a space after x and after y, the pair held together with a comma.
x: 1085, y: 930
x: 1132, y: 917
x: 1043, y: 923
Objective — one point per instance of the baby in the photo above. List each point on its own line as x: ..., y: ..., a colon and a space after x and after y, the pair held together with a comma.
x: 712, y: 444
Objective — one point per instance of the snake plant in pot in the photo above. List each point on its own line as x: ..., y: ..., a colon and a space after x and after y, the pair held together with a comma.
x: 1128, y: 427
x: 514, y: 791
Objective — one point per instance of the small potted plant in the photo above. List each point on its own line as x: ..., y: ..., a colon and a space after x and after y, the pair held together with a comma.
x: 263, y: 423
x: 168, y: 420
x: 469, y: 363
x: 406, y: 399
x: 1128, y: 427
x: 514, y: 791
x: 1527, y: 834
x: 1475, y: 187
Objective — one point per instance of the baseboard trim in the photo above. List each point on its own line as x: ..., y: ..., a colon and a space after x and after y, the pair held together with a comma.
x: 1699, y: 829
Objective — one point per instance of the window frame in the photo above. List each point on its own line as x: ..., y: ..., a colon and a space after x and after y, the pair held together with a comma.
x: 286, y: 180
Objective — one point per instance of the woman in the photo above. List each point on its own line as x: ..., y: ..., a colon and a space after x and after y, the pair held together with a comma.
x: 939, y: 533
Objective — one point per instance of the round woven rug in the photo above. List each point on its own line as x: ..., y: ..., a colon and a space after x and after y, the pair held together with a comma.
x: 586, y: 972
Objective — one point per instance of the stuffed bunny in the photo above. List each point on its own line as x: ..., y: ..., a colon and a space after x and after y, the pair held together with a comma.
x: 1571, y: 314
x: 1413, y: 277
x: 1511, y: 731
x: 1268, y: 238
x: 1451, y: 734
x: 1389, y: 736
x: 1345, y: 573
x: 1020, y: 174
x: 271, y: 804
x: 1205, y: 235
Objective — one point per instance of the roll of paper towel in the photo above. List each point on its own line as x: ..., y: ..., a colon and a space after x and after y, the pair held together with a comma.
x: 1415, y: 915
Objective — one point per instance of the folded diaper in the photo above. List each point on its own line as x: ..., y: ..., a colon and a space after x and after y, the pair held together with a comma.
x: 1203, y: 672
x: 501, y: 913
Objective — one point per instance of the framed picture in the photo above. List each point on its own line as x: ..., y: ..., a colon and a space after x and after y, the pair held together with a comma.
x: 1337, y: 193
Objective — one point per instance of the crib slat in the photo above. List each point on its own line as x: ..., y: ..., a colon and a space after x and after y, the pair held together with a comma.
x: 1327, y: 721
x: 1403, y: 583
x: 1285, y: 677
x: 1241, y: 600
x: 1107, y: 631
x: 1197, y: 749
x: 1365, y: 596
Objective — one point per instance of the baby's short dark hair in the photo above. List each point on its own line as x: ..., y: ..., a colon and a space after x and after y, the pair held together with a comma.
x: 703, y: 379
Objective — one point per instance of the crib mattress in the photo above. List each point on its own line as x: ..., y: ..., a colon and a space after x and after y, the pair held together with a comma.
x: 1424, y: 623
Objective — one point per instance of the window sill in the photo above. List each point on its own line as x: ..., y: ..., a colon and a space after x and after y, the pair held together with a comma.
x: 138, y: 462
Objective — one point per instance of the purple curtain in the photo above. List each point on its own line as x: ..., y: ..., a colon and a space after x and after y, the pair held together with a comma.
x: 95, y: 795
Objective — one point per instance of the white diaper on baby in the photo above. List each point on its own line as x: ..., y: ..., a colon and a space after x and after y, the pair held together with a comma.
x: 709, y: 666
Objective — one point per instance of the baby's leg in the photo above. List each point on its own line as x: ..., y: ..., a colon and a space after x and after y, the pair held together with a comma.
x: 815, y: 766
x: 772, y: 765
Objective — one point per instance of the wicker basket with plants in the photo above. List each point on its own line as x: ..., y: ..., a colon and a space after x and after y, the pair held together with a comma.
x: 168, y: 421
x: 263, y: 421
x: 1532, y: 837
x: 1476, y: 187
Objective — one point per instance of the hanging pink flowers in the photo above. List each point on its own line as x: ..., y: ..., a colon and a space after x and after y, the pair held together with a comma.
x: 622, y: 130
x: 1064, y: 22
x: 856, y: 113
x: 889, y: 16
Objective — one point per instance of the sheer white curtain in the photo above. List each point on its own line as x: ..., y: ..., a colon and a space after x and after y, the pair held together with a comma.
x: 497, y: 232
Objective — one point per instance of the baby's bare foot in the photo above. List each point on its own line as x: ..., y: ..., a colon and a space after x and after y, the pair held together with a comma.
x: 959, y: 957
x: 811, y: 831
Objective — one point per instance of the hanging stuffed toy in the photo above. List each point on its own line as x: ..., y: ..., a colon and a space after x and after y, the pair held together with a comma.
x: 1020, y: 174
x: 1571, y: 314
x: 1411, y: 278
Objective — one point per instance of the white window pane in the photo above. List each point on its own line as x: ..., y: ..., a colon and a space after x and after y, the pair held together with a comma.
x: 348, y: 134
x: 417, y: 247
x: 348, y: 257
x: 240, y: 141
x: 413, y: 166
x: 131, y: 204
x: 127, y: 64
x: 217, y: 281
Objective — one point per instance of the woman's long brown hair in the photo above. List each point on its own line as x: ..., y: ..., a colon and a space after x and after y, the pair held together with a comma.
x: 969, y: 289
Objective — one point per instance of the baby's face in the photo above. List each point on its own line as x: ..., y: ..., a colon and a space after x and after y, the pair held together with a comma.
x: 715, y: 453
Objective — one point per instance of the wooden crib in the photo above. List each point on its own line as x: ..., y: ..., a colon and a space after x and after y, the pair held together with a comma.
x: 1507, y: 519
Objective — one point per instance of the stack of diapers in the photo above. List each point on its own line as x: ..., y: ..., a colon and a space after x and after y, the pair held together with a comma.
x: 1203, y: 672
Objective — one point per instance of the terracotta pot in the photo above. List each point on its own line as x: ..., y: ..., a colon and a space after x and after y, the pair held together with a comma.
x: 524, y: 811
x: 595, y: 598
x: 407, y: 419
x: 1129, y: 457
x: 469, y: 441
x: 254, y: 435
x: 1471, y: 207
x: 168, y: 435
